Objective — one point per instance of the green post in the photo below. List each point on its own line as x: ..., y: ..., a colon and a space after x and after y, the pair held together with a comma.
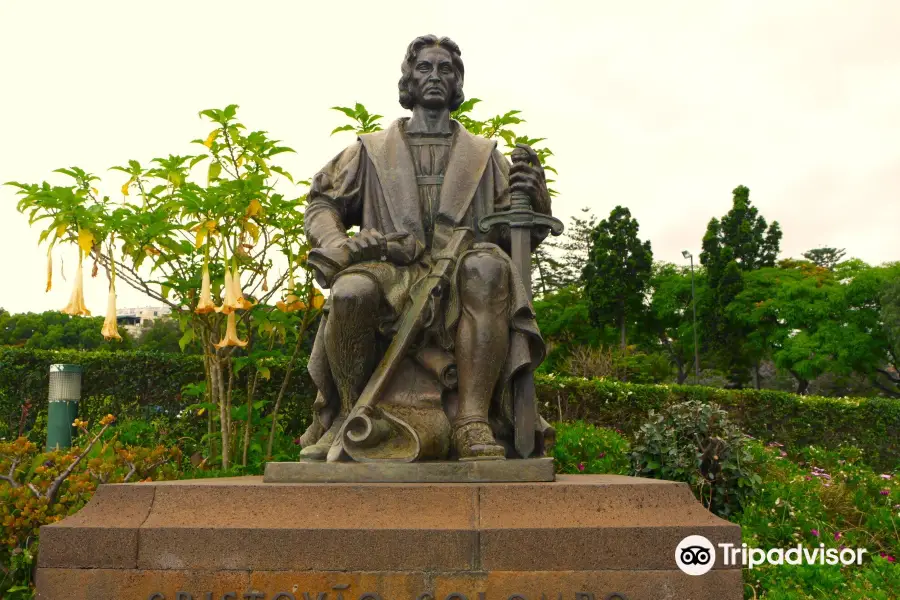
x: 65, y: 392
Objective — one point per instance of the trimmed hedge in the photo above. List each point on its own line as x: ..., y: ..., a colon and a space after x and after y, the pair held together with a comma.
x: 125, y: 383
x: 129, y: 384
x: 871, y: 424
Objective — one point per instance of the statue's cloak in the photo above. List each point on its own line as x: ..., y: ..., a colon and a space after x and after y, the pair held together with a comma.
x: 372, y: 184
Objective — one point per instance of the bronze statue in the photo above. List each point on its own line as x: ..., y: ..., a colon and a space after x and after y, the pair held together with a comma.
x: 428, y: 343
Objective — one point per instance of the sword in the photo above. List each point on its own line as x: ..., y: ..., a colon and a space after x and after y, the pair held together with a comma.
x: 361, y: 426
x: 520, y: 219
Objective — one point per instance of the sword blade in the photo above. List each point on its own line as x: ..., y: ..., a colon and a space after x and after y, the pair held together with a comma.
x: 520, y: 247
x: 524, y: 410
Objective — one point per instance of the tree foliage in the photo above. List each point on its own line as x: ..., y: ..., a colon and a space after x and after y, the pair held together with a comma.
x: 617, y: 271
x: 738, y: 243
x: 199, y: 233
x: 558, y: 262
x: 825, y: 257
x: 669, y: 320
x: 53, y: 330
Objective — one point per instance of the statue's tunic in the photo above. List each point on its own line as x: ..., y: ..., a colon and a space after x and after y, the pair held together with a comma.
x: 425, y: 186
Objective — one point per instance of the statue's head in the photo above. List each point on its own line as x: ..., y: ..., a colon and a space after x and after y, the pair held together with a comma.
x: 432, y: 74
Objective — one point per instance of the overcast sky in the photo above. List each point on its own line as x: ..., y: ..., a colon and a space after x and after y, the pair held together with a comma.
x: 662, y: 107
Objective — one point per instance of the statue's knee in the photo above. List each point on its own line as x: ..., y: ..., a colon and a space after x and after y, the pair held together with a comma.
x: 485, y: 277
x: 352, y: 292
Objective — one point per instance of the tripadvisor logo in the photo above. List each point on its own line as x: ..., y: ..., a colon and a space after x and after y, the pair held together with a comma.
x: 696, y: 555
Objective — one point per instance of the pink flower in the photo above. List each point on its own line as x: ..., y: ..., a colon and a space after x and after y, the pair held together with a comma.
x: 885, y: 476
x: 814, y: 532
x: 885, y: 492
x: 581, y: 466
x: 601, y: 455
x: 838, y: 535
x: 887, y: 556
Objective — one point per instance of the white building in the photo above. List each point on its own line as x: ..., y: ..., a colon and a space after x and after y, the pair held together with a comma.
x: 134, y: 320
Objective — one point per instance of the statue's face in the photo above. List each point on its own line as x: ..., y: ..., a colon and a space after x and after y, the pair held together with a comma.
x: 434, y: 82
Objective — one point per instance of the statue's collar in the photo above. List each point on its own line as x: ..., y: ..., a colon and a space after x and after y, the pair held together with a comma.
x: 469, y: 155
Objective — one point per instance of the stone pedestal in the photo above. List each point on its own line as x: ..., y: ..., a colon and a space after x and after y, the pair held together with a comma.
x: 581, y: 537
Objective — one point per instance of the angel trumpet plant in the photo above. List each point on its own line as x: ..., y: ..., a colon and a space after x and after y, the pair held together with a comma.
x: 49, y: 269
x: 239, y: 301
x: 291, y: 302
x: 206, y: 304
x: 229, y: 303
x: 110, y: 330
x: 231, y: 337
x: 76, y: 305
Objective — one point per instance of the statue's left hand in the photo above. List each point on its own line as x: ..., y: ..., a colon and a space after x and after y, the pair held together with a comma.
x: 368, y: 244
x: 527, y: 175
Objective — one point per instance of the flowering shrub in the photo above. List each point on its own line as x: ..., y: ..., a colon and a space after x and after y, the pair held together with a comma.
x: 872, y: 424
x: 696, y: 443
x: 583, y: 448
x: 38, y: 488
x: 825, y: 497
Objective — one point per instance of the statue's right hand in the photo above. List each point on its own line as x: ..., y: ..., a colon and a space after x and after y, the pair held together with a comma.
x: 367, y: 245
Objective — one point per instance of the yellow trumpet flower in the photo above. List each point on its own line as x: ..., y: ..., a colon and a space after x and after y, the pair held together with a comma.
x: 110, y: 329
x: 231, y: 337
x: 239, y: 301
x: 206, y: 304
x: 49, y: 270
x: 318, y: 300
x: 291, y: 302
x: 228, y: 304
x: 76, y: 300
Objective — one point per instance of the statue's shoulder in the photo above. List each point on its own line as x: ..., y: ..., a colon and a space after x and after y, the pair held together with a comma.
x: 475, y: 141
x: 376, y: 141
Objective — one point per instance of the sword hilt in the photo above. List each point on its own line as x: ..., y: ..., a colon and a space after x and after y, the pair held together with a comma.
x: 520, y: 217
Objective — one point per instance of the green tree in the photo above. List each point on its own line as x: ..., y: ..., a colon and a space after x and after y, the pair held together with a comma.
x: 558, y: 263
x: 788, y: 313
x: 185, y: 233
x: 826, y: 257
x: 617, y: 272
x: 865, y: 334
x: 53, y: 330
x: 564, y: 319
x: 165, y: 335
x: 890, y: 315
x: 738, y: 243
x: 670, y: 320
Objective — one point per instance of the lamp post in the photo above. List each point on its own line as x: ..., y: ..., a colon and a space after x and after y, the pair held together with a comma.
x: 687, y: 254
x: 65, y: 392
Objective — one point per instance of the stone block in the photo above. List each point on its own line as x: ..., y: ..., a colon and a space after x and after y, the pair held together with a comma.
x: 580, y: 537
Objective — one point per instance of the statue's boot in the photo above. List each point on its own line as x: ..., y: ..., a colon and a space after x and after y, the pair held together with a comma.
x: 475, y: 441
x: 319, y: 450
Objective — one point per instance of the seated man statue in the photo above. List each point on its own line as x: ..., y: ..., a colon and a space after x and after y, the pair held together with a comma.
x: 410, y: 189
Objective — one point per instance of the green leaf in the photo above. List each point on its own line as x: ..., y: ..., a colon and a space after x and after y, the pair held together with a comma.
x: 186, y: 339
x: 342, y: 128
x: 283, y: 172
x: 347, y: 111
x: 215, y: 169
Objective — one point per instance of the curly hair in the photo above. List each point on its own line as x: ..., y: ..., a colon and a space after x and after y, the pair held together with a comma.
x: 412, y: 51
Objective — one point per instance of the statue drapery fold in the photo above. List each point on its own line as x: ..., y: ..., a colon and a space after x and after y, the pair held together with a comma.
x: 371, y: 184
